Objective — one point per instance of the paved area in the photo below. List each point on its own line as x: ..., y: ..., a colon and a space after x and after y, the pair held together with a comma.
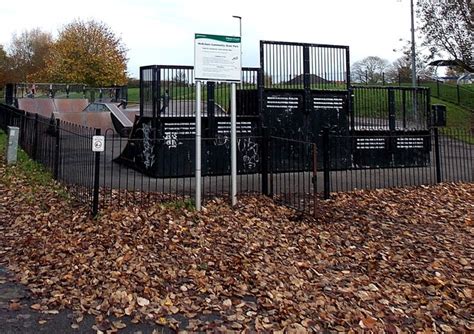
x: 18, y: 317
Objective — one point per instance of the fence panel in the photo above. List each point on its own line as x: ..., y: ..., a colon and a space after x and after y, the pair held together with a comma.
x: 76, y: 160
x: 456, y: 147
x: 293, y: 176
x: 390, y: 108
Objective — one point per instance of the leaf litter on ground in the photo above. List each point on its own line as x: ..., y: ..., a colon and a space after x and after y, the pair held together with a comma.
x: 393, y: 260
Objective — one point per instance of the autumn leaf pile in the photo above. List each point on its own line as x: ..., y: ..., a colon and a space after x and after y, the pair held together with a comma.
x: 394, y: 260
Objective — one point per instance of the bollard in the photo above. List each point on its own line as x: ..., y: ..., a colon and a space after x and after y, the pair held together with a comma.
x: 12, y: 147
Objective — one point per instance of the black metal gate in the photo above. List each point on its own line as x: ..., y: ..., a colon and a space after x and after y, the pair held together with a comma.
x: 304, y: 88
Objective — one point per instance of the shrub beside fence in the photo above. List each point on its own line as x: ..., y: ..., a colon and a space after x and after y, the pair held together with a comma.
x: 295, y: 173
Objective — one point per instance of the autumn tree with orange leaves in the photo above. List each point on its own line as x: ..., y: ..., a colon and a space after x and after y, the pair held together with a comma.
x: 90, y: 53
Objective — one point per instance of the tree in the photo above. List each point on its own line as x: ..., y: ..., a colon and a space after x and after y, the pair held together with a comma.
x: 3, y: 67
x: 400, y: 71
x: 180, y: 78
x: 447, y: 28
x: 369, y: 70
x: 90, y: 53
x: 28, y: 53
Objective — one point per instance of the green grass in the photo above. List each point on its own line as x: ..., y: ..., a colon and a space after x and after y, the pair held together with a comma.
x: 133, y: 95
x: 449, y: 93
x: 37, y: 176
x: 184, y: 204
x: 459, y: 121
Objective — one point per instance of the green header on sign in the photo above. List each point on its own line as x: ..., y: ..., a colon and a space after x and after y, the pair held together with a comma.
x: 228, y: 39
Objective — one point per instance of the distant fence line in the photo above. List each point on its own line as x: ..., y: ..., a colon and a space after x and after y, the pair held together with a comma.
x: 462, y: 95
x: 295, y: 173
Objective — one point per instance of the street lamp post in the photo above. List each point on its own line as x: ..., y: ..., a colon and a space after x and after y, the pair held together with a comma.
x: 240, y: 24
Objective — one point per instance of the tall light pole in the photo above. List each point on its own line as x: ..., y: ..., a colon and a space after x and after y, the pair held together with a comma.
x: 240, y: 24
x: 413, y: 55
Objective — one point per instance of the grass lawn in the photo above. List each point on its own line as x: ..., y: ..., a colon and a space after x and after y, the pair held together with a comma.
x: 449, y: 92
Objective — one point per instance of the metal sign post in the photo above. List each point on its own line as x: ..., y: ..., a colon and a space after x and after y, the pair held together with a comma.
x: 233, y: 143
x: 198, y: 146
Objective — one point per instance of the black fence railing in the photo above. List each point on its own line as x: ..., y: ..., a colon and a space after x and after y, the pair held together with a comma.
x: 390, y: 108
x: 170, y: 91
x: 296, y: 173
x: 72, y: 90
x: 63, y: 149
x: 462, y: 95
x: 378, y: 160
x: 448, y: 90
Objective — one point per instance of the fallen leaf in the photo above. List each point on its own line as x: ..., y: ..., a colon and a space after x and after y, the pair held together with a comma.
x: 119, y: 324
x: 143, y: 301
x: 36, y: 307
x: 14, y: 306
x: 368, y: 322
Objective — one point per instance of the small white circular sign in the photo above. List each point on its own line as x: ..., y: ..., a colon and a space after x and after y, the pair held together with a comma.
x: 98, y: 143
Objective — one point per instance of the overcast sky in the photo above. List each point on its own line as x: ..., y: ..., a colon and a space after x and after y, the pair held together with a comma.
x: 162, y: 31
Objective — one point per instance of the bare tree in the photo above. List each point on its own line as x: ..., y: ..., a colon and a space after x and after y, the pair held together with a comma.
x: 400, y: 71
x: 369, y: 70
x: 447, y: 28
x: 180, y: 78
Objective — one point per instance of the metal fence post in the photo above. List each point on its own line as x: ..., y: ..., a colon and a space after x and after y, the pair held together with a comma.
x: 391, y: 109
x: 326, y: 163
x: 437, y: 155
x: 95, y: 199
x: 264, y: 159
x: 458, y: 93
x: 56, y: 150
x: 314, y: 178
x: 35, y: 138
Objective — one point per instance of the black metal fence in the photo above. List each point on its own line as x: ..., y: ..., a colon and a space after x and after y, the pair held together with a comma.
x: 296, y: 173
x: 449, y: 90
x: 288, y: 65
x: 72, y: 90
x: 170, y: 91
x: 63, y: 149
x: 386, y: 160
x: 462, y: 95
x: 390, y: 108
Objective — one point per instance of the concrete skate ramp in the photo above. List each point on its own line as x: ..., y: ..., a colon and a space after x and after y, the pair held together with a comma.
x: 46, y: 106
x: 43, y: 107
x: 70, y: 105
x: 100, y: 120
x: 119, y: 115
